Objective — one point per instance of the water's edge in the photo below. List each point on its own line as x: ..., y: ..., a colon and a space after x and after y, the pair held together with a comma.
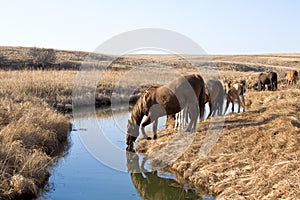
x: 78, y: 175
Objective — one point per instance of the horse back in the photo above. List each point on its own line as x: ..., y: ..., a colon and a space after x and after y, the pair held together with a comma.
x: 215, y: 88
x: 181, y: 91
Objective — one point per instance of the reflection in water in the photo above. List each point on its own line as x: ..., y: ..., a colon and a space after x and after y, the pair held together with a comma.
x: 150, y: 186
x: 78, y: 175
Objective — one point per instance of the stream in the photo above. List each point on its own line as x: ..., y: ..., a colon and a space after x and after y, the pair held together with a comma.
x: 80, y: 175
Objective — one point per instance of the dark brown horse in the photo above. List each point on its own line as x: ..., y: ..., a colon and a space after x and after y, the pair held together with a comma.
x: 167, y: 100
x: 215, y: 95
x: 269, y: 79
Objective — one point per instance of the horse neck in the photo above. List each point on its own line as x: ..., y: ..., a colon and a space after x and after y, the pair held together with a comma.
x: 137, y: 114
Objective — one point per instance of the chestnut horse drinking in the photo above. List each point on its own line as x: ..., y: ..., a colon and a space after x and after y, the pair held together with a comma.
x: 167, y: 100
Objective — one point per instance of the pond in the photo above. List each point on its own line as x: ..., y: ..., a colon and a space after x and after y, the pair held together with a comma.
x: 80, y: 175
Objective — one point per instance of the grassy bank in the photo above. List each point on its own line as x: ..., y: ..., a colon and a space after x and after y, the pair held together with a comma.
x: 256, y: 157
x: 31, y: 131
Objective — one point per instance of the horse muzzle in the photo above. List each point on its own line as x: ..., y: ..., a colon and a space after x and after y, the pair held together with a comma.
x: 130, y: 139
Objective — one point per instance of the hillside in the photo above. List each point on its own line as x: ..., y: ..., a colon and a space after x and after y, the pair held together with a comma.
x: 26, y: 57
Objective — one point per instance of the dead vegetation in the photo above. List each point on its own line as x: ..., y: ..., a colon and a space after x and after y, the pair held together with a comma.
x: 31, y: 132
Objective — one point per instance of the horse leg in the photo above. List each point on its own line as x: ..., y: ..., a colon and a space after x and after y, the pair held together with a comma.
x: 211, y: 109
x: 232, y: 106
x: 194, y: 113
x: 192, y: 124
x: 243, y: 102
x: 220, y: 108
x: 145, y: 123
x: 155, y: 122
x: 239, y: 103
x: 227, y: 104
x: 177, y: 118
x: 185, y: 117
x: 214, y: 109
x: 195, y: 121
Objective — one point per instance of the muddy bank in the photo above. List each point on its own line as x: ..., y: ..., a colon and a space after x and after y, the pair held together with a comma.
x: 257, y: 155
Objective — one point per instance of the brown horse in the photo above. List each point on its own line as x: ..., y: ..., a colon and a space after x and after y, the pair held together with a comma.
x: 215, y: 97
x: 291, y: 77
x: 167, y: 100
x: 150, y: 185
x: 269, y: 79
x: 234, y: 93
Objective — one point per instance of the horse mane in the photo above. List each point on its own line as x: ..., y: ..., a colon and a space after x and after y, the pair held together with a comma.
x: 138, y: 109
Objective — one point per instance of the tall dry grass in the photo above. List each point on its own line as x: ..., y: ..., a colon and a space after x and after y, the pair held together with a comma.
x: 30, y: 130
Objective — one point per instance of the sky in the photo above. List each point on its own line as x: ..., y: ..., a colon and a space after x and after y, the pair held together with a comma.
x: 218, y: 26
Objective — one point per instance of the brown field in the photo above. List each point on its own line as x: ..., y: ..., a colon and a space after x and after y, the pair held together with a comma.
x: 257, y: 155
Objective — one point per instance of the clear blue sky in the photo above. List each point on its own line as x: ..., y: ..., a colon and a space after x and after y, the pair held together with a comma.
x: 219, y: 26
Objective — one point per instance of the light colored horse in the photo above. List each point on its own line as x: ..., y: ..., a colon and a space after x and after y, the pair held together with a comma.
x: 235, y: 92
x: 291, y: 77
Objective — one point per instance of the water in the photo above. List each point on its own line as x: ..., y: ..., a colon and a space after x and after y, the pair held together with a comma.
x: 79, y: 175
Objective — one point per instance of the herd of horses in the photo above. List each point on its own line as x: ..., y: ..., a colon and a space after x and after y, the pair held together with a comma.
x: 185, y: 97
x: 271, y: 81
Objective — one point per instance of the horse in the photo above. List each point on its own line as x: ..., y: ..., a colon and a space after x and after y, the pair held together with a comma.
x: 215, y: 97
x: 291, y: 77
x: 235, y: 92
x: 269, y: 79
x: 150, y: 185
x: 166, y: 100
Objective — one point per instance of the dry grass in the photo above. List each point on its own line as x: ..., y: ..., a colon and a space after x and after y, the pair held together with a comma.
x: 30, y: 131
x: 256, y: 157
x: 27, y: 84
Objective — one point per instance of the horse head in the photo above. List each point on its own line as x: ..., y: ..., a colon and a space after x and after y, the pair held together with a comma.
x: 132, y: 132
x: 227, y: 86
x: 243, y: 84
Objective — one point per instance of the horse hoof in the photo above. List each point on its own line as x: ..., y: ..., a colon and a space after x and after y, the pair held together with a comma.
x: 148, y: 138
x: 155, y: 137
x: 130, y: 149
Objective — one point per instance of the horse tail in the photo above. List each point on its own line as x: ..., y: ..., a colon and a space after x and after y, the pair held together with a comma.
x: 276, y: 82
x: 202, y: 102
x: 220, y: 101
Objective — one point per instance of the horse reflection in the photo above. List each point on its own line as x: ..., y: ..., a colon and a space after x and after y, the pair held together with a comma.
x: 150, y: 186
